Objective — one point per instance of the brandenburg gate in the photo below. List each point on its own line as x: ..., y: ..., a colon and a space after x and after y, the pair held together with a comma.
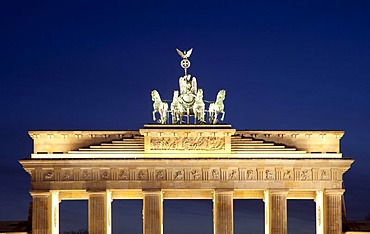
x: 194, y: 157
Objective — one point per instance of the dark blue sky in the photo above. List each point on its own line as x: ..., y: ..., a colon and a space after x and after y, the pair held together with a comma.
x: 294, y: 65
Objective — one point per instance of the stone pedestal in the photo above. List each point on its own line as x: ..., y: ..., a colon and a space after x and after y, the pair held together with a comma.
x: 45, y: 212
x: 333, y: 205
x: 153, y: 212
x: 223, y: 217
x: 100, y: 212
x: 275, y: 211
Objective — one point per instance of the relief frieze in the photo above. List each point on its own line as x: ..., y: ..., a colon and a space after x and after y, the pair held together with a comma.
x: 187, y: 143
x: 104, y: 175
x: 251, y: 174
x: 86, y: 174
x: 66, y: 175
x: 124, y: 174
x: 288, y: 174
x: 215, y: 174
x: 190, y: 174
x: 324, y: 175
x: 49, y: 175
x: 142, y: 174
x: 195, y: 174
x: 233, y: 174
x: 305, y: 174
x: 178, y: 175
x: 160, y: 174
x: 269, y: 174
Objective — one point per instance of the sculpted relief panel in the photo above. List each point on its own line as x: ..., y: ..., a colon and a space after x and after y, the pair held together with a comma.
x: 187, y: 143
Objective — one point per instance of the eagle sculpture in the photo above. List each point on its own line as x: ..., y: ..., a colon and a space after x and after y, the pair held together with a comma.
x: 185, y: 54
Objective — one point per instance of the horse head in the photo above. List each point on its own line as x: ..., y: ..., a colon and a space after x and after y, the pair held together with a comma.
x: 155, y: 96
x: 221, y: 95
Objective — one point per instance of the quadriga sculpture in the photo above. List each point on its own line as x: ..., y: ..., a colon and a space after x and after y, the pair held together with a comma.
x: 217, y: 107
x: 160, y: 107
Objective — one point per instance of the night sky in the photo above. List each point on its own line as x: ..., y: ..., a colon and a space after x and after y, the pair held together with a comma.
x: 91, y: 65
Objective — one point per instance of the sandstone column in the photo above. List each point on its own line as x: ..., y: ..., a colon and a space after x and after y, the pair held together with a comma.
x: 223, y: 216
x: 320, y: 204
x: 100, y: 212
x: 275, y: 211
x: 45, y: 212
x: 153, y: 212
x: 333, y: 211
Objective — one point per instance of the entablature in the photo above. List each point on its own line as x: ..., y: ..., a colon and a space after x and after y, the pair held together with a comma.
x: 187, y: 174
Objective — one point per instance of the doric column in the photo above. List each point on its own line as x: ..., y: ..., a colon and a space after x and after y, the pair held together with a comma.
x: 275, y: 211
x: 320, y: 204
x: 223, y: 216
x: 100, y: 212
x: 153, y: 212
x: 45, y: 212
x: 333, y: 211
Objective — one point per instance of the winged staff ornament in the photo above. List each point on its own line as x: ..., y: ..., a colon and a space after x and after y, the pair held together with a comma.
x: 189, y: 101
x: 185, y: 63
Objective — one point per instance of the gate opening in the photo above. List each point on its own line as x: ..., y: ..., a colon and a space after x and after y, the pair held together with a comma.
x: 249, y: 216
x: 187, y: 216
x: 73, y: 216
x: 127, y: 216
x: 301, y: 216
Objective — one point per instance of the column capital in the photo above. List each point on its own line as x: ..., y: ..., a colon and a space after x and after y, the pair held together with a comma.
x: 96, y: 192
x: 223, y: 191
x: 334, y: 191
x: 152, y: 191
x: 34, y: 193
x: 281, y: 192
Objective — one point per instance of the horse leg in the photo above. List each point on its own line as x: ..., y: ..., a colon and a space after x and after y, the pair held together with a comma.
x: 195, y: 115
x: 174, y: 117
x: 215, y: 120
x: 154, y: 115
x: 160, y: 120
x: 223, y: 115
x: 187, y: 115
x: 163, y: 117
x: 202, y: 113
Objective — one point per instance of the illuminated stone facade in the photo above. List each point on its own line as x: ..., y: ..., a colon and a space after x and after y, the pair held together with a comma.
x: 186, y: 162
